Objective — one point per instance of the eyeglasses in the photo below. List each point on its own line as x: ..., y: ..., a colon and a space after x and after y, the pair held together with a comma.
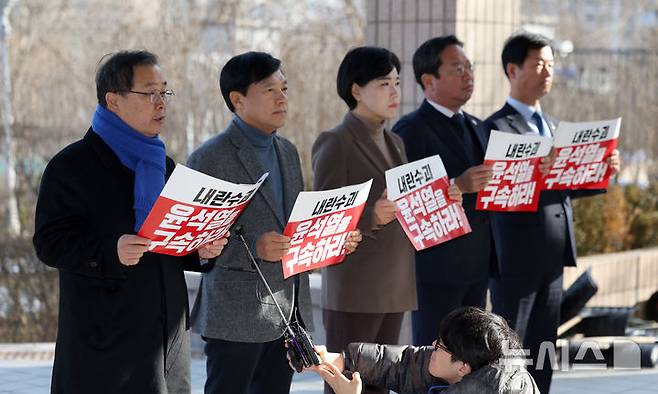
x: 461, y: 69
x: 438, y: 345
x: 165, y: 95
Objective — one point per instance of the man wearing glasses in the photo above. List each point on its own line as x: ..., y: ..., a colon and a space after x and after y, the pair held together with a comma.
x: 477, y: 353
x: 453, y: 274
x: 123, y: 317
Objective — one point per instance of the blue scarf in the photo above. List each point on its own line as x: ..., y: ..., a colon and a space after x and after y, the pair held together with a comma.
x: 144, y: 155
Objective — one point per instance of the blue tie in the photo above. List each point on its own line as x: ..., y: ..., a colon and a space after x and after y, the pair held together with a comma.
x: 536, y: 117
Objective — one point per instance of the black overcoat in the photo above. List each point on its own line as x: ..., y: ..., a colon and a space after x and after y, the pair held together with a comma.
x: 466, y: 259
x: 120, y: 328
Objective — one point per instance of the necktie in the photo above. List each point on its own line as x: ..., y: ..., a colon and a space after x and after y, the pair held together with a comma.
x: 458, y: 119
x: 464, y: 134
x: 536, y: 117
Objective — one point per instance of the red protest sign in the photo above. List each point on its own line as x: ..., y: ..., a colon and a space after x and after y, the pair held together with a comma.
x: 581, y: 153
x: 318, y: 227
x: 516, y: 180
x: 426, y: 214
x: 192, y: 210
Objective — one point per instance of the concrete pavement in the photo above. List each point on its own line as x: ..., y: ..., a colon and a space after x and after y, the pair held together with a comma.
x: 26, y: 369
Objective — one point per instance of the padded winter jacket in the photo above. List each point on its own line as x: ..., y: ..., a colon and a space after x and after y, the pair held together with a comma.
x: 404, y: 369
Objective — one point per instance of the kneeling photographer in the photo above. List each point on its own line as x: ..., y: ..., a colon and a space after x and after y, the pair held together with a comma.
x: 476, y: 352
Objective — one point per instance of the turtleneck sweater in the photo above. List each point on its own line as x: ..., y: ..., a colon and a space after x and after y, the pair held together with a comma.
x: 376, y: 132
x: 263, y: 145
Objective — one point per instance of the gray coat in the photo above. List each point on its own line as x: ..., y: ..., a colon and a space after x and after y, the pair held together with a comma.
x: 232, y: 303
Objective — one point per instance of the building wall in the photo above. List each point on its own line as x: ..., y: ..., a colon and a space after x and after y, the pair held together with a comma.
x: 483, y: 26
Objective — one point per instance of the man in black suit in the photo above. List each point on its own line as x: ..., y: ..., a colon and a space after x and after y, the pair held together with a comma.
x: 533, y: 247
x: 453, y: 274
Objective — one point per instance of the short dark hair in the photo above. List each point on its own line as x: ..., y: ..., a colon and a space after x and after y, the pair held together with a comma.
x: 518, y: 45
x: 243, y: 70
x: 427, y: 58
x: 360, y: 66
x: 116, y: 73
x: 476, y: 337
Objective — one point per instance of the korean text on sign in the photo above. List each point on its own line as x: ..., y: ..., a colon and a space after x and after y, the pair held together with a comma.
x: 582, y: 150
x: 426, y: 214
x: 516, y: 181
x: 319, y: 225
x: 194, y: 209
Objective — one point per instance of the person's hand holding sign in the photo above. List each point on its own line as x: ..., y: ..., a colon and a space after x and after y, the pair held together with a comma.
x: 546, y: 162
x: 131, y: 248
x: 454, y: 193
x: 214, y: 248
x: 474, y: 179
x: 614, y: 162
x: 384, y: 211
x: 353, y: 239
x: 272, y: 246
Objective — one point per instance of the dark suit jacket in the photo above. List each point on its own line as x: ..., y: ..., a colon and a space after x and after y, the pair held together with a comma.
x: 466, y: 259
x: 118, y: 325
x: 379, y: 276
x: 232, y: 303
x: 532, y: 244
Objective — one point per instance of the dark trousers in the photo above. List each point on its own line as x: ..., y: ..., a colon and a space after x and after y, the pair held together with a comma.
x: 177, y: 375
x: 343, y: 328
x: 435, y: 301
x: 534, y: 313
x: 247, y: 368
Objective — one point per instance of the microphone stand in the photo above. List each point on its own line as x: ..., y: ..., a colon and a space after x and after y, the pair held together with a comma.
x: 300, y: 348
